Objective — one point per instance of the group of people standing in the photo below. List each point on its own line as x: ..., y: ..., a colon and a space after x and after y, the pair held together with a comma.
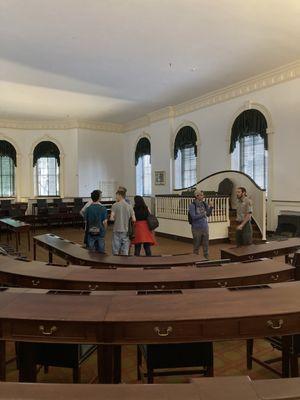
x: 199, y: 211
x: 122, y: 214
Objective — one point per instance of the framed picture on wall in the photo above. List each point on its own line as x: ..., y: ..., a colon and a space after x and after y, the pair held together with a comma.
x: 160, y: 177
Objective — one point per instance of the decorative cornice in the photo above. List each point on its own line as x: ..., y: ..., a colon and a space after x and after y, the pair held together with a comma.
x: 258, y: 82
x: 100, y: 126
x: 60, y: 125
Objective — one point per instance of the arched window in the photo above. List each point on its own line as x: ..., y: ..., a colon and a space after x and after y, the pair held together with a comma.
x: 8, y: 162
x: 185, y: 157
x: 249, y: 146
x: 46, y: 161
x: 143, y: 167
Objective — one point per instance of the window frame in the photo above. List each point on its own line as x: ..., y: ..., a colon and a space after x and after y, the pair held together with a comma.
x: 12, y: 176
x: 182, y: 181
x: 238, y: 159
x: 140, y: 170
x: 56, y: 175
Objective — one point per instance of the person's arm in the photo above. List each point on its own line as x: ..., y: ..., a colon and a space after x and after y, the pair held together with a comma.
x: 209, y: 207
x: 112, y: 213
x: 192, y: 210
x: 245, y: 220
x: 83, y: 210
x: 132, y: 214
x: 104, y: 218
x: 247, y: 217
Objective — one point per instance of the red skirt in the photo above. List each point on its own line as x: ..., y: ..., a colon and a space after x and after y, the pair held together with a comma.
x: 143, y: 233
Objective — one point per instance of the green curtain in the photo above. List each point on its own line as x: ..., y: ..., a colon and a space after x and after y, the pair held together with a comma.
x: 186, y: 137
x: 46, y: 149
x: 249, y: 123
x: 8, y: 150
x: 143, y: 148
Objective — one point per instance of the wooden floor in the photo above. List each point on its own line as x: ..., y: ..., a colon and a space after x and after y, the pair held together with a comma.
x: 164, y: 245
x: 229, y: 357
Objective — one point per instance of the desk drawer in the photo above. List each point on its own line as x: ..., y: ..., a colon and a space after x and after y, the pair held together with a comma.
x: 41, y: 283
x: 155, y: 332
x: 51, y: 331
x: 220, y: 329
x: 265, y: 326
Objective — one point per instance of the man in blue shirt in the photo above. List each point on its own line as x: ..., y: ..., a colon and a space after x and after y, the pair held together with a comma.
x: 199, y: 210
x: 95, y: 217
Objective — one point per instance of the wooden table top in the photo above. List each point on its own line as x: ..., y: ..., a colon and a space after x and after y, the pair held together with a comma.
x: 74, y: 252
x: 257, y: 249
x: 221, y: 388
x: 13, y: 223
x: 248, y: 273
x: 276, y: 389
x: 121, y: 317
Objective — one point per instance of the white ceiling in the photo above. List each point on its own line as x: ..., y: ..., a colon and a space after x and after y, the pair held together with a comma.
x: 115, y: 60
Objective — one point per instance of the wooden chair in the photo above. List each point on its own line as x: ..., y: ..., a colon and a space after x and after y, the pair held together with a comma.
x: 54, y: 355
x: 198, y: 356
x: 289, y: 346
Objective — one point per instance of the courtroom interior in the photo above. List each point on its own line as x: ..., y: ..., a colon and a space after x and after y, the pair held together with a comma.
x: 149, y: 199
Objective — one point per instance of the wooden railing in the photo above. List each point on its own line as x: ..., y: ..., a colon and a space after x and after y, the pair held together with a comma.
x: 176, y: 207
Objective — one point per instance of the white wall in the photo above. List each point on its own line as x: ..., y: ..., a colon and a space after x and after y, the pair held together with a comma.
x: 281, y: 104
x: 100, y: 158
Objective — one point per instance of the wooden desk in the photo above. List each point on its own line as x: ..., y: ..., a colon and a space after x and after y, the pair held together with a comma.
x: 75, y: 254
x: 226, y: 388
x: 36, y: 274
x: 17, y: 227
x: 269, y: 249
x: 116, y: 318
x: 276, y: 389
x: 223, y: 388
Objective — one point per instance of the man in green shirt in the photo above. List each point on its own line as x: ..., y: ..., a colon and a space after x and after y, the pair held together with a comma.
x: 243, y: 217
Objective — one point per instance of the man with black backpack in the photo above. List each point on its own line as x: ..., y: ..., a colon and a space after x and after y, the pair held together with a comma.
x: 199, y: 210
x: 95, y: 217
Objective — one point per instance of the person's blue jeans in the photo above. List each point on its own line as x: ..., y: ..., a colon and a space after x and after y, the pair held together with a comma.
x: 120, y: 243
x: 96, y: 242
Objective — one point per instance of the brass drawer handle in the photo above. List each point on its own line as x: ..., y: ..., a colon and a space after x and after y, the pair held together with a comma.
x: 47, y: 333
x: 93, y: 287
x: 251, y: 257
x: 275, y: 252
x: 163, y: 333
x: 222, y: 284
x: 275, y: 277
x: 275, y: 324
x: 159, y: 287
x: 35, y: 283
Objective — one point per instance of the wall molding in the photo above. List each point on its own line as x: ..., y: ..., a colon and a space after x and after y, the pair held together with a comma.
x: 259, y: 82
x: 262, y: 81
x: 60, y: 125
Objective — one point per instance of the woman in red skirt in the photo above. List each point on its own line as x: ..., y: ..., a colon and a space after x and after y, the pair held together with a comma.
x: 143, y: 235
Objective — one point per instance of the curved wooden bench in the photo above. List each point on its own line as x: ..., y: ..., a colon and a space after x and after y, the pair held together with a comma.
x: 116, y: 318
x: 37, y: 274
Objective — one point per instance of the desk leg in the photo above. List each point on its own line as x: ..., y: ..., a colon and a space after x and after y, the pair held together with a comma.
x: 109, y: 363
x: 286, y: 349
x: 27, y: 364
x: 2, y: 361
x: 17, y: 241
x: 50, y: 257
x: 34, y: 249
x: 28, y: 239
